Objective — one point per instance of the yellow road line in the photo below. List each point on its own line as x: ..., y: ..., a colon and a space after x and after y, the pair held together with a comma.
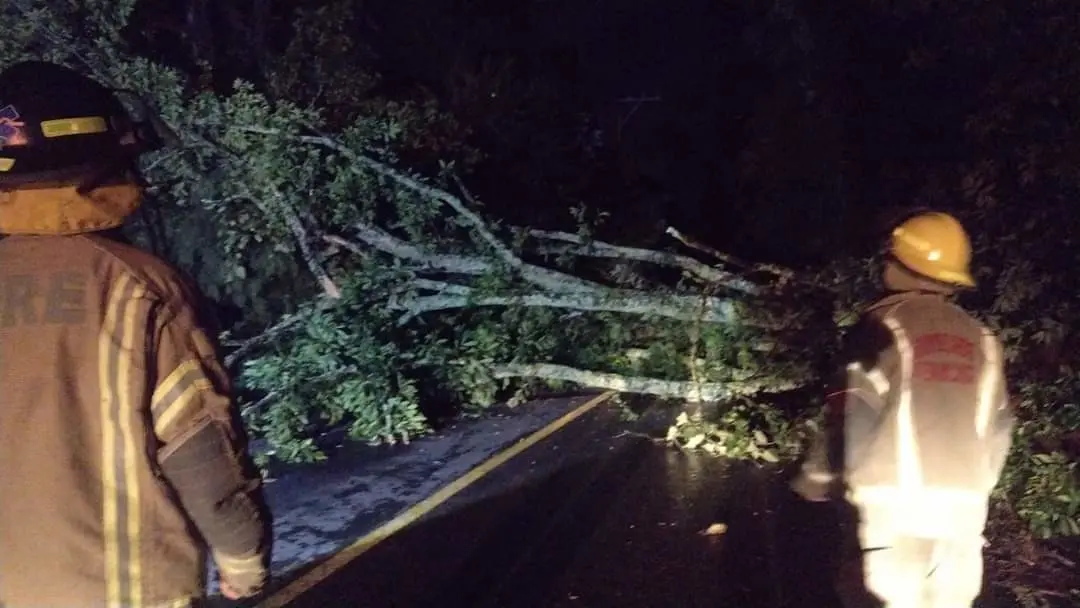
x: 340, y: 559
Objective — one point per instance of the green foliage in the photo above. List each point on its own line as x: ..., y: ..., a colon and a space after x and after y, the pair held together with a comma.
x: 1050, y: 502
x: 1040, y: 480
x: 342, y: 366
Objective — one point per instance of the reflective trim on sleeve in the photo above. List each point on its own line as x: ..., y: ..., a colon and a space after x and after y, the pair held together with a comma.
x: 848, y: 398
x: 819, y: 476
x: 879, y: 381
x: 239, y: 565
x: 989, y: 382
x: 907, y: 447
x: 875, y: 377
x: 176, y: 394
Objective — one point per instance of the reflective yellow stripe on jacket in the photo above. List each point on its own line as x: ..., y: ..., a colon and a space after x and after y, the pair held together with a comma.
x: 120, y: 491
x: 175, y: 394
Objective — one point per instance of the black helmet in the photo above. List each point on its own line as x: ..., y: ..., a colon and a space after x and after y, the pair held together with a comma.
x: 58, y: 127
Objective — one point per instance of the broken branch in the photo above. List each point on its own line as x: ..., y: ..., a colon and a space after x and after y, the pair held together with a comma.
x: 691, y: 392
x: 675, y: 307
x: 730, y: 260
x: 457, y: 264
x: 600, y: 249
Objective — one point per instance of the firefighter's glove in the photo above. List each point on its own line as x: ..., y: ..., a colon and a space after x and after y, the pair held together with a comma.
x: 815, y: 487
x: 242, y: 577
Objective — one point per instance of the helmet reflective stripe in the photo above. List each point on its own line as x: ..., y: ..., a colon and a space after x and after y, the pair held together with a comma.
x: 60, y: 128
x: 63, y: 127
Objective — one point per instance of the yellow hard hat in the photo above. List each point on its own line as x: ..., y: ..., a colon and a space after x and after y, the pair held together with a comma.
x: 934, y: 245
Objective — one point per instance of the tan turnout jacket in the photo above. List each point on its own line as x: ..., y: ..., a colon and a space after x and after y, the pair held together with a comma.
x: 119, y: 454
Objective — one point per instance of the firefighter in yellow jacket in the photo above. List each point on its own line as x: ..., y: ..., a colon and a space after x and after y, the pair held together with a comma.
x: 918, y: 425
x: 122, y: 466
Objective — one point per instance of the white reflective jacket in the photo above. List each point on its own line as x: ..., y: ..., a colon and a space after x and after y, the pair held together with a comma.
x: 919, y: 416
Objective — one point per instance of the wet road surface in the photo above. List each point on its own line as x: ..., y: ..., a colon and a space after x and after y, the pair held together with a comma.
x: 600, y: 516
x: 321, y: 508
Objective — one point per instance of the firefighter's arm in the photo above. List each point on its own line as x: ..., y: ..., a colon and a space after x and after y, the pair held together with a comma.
x: 202, y: 453
x: 820, y: 477
x: 855, y: 398
x: 1001, y: 429
x: 1002, y: 420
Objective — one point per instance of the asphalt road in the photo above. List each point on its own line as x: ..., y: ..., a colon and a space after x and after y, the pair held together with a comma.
x: 319, y: 509
x: 599, y: 516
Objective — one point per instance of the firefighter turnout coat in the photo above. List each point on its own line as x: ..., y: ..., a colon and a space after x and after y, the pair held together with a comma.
x: 918, y: 423
x: 121, y: 459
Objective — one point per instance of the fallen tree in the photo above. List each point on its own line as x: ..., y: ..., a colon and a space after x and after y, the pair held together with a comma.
x: 379, y: 289
x: 472, y: 281
x: 389, y: 285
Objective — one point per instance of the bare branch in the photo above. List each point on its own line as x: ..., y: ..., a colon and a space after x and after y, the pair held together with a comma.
x: 457, y: 264
x: 436, y: 194
x: 346, y: 244
x: 474, y: 220
x: 303, y: 241
x: 636, y: 303
x: 544, y: 277
x: 442, y: 287
x: 600, y: 249
x: 292, y: 220
x: 380, y: 240
x: 783, y: 273
x: 246, y: 346
x: 271, y: 397
x: 538, y: 275
x: 691, y: 392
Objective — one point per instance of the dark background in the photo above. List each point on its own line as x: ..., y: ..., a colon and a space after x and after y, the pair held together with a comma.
x: 783, y: 131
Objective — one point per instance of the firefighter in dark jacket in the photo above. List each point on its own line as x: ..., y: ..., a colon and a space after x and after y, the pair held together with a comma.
x: 122, y: 466
x: 918, y: 425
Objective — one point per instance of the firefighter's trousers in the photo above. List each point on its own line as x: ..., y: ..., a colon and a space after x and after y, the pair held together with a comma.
x: 938, y: 567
